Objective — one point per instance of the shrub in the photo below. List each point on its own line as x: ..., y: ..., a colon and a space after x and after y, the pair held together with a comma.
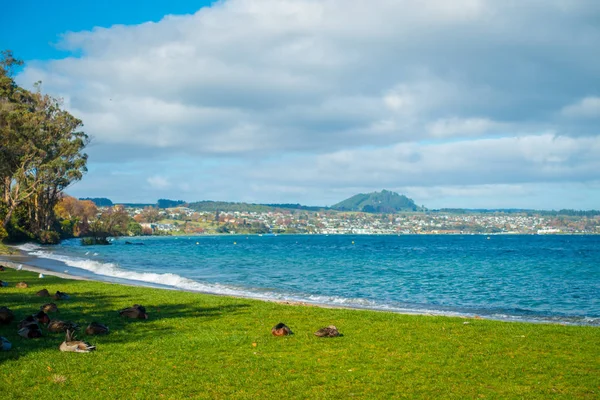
x: 49, y: 237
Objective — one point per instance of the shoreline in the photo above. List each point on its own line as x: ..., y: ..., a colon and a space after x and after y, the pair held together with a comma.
x: 12, y: 261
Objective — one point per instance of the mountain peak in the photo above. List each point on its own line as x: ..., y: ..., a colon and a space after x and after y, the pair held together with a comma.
x: 385, y: 201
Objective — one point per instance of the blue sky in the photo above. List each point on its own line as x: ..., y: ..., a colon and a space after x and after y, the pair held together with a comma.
x: 470, y: 103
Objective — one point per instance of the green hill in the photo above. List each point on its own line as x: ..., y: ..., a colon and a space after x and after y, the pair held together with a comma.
x: 378, y: 202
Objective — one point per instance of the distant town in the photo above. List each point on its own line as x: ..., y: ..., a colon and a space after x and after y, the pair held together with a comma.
x: 186, y: 221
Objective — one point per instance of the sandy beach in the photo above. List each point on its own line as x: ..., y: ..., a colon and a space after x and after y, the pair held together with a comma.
x: 16, y: 261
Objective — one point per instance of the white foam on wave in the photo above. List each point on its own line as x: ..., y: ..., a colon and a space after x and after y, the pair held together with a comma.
x: 29, y: 247
x: 167, y: 279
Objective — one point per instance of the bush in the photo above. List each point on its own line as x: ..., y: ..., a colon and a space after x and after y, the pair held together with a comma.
x: 49, y: 237
x: 91, y: 241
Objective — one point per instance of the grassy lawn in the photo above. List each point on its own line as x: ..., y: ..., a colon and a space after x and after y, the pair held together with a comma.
x: 202, y: 346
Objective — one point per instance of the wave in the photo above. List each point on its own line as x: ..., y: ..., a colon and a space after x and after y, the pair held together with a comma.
x: 175, y: 281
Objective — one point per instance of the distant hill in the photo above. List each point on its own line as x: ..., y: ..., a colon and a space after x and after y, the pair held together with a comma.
x: 208, y: 205
x: 378, y: 202
x: 99, y: 201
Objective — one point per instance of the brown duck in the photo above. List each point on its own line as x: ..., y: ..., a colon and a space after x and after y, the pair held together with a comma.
x: 96, y: 328
x: 281, y: 329
x: 49, y: 307
x: 61, y: 296
x: 32, y: 331
x: 43, y: 293
x: 136, y: 311
x: 77, y: 346
x: 6, y: 316
x: 56, y: 326
x: 329, y: 331
x: 22, y: 285
x: 30, y: 320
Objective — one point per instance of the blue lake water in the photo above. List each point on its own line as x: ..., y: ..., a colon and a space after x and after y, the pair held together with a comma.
x: 511, y: 277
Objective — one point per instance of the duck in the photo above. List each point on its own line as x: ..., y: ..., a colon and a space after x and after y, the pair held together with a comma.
x: 3, y: 284
x: 30, y: 320
x: 96, y: 328
x: 32, y: 331
x: 22, y: 285
x: 42, y: 317
x: 2, y: 269
x: 19, y: 267
x: 49, y: 307
x: 328, y: 331
x: 60, y: 296
x: 56, y: 326
x: 43, y: 293
x: 77, y: 346
x: 6, y: 316
x: 136, y: 311
x: 281, y: 329
x: 41, y: 276
x: 5, y: 345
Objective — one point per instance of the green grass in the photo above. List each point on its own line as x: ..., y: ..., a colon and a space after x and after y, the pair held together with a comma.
x: 201, y: 346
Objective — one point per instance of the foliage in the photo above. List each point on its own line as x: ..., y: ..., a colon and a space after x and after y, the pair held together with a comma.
x: 221, y: 347
x: 134, y: 229
x: 41, y: 153
x: 165, y: 203
x: 149, y: 215
x: 49, y: 237
x: 76, y: 215
x: 113, y: 221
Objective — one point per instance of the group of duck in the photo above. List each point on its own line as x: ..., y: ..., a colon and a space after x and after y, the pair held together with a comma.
x: 282, y: 329
x: 31, y: 326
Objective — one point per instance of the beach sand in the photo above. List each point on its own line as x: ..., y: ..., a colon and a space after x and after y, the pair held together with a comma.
x: 15, y: 261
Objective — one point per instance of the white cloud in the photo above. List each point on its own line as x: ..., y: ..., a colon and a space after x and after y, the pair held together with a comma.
x: 342, y: 93
x: 588, y: 107
x: 158, y: 182
x: 449, y: 127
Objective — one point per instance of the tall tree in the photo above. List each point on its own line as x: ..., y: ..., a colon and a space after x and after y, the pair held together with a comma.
x: 41, y: 150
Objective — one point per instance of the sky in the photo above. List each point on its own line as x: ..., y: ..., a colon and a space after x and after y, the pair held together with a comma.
x: 469, y: 103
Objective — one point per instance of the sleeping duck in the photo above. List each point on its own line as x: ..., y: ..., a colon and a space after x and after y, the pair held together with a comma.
x: 5, y: 345
x: 60, y: 296
x: 43, y: 293
x: 77, y: 346
x: 56, y: 326
x: 6, y: 316
x: 49, y: 307
x: 281, y: 329
x: 329, y: 331
x: 31, y: 331
x: 96, y: 328
x: 22, y: 285
x: 136, y: 311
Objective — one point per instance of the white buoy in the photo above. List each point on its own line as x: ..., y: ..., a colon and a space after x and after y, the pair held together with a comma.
x: 66, y: 271
x: 19, y: 267
x: 41, y: 276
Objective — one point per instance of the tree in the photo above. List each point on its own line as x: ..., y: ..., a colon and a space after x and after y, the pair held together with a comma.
x: 149, y: 214
x: 40, y: 153
x: 113, y: 221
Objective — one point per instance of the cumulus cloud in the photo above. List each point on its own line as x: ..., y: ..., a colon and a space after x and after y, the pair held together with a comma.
x: 344, y: 92
x: 158, y: 182
x: 588, y: 107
